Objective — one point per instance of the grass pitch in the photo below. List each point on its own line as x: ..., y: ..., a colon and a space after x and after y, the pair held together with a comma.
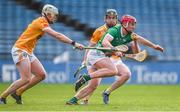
x: 52, y: 97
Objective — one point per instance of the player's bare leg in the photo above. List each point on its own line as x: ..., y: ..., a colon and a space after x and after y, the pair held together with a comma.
x: 25, y: 74
x: 124, y: 74
x: 85, y: 100
x: 85, y: 91
x: 88, y: 90
x: 105, y: 69
x: 92, y: 84
x: 39, y: 72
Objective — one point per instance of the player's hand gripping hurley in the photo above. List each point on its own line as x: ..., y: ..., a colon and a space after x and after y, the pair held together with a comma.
x: 141, y: 56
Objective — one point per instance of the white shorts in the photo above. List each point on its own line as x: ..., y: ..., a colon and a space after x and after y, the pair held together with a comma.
x: 116, y: 61
x: 19, y: 55
x: 94, y: 56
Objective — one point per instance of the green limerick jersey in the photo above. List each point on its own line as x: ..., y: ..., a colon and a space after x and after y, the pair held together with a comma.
x: 118, y: 39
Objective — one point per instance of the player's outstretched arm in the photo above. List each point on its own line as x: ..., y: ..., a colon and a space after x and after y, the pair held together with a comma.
x: 149, y: 43
x: 135, y: 47
x: 62, y: 37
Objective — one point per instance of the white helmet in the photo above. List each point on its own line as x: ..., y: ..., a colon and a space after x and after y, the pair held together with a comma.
x: 49, y: 9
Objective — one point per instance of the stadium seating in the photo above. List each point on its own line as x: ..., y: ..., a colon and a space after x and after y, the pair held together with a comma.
x: 158, y: 21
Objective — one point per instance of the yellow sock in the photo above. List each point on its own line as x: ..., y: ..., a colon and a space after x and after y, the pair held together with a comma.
x: 108, y: 90
x: 18, y: 92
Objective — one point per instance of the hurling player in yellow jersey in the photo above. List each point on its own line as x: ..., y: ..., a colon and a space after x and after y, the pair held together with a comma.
x: 22, y: 53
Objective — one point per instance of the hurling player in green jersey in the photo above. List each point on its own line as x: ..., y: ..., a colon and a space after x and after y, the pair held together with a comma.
x: 117, y: 35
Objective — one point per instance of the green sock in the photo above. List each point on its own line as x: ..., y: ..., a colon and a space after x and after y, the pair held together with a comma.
x: 73, y: 99
x: 87, y: 77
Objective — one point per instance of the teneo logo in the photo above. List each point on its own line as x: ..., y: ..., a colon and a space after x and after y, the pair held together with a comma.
x: 9, y: 73
x: 56, y: 77
x: 155, y: 77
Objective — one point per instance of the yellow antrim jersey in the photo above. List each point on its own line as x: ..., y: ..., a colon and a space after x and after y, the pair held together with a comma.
x: 28, y: 39
x: 99, y: 32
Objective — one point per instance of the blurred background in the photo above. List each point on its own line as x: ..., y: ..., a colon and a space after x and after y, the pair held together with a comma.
x: 157, y: 20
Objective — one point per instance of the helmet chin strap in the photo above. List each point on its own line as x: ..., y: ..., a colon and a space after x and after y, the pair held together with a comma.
x: 125, y: 28
x: 50, y: 22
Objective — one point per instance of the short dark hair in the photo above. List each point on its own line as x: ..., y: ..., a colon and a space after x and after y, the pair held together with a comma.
x: 111, y: 12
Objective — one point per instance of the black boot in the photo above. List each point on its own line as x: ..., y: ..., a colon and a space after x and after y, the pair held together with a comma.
x: 2, y: 100
x: 17, y: 98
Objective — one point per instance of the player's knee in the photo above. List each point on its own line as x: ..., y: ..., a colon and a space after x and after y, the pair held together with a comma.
x: 127, y: 75
x: 26, y: 79
x: 42, y: 76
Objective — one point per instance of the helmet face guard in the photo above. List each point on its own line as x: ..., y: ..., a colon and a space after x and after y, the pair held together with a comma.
x: 127, y: 19
x: 50, y: 9
x: 111, y: 17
